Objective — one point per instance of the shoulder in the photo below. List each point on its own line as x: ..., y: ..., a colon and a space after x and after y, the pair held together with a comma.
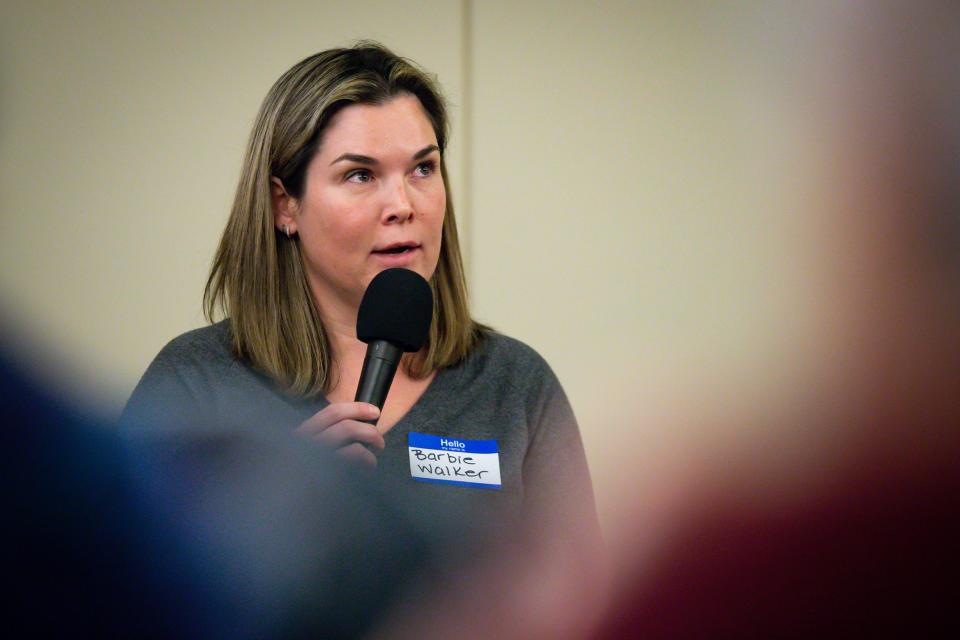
x: 501, y: 351
x: 186, y: 373
x: 208, y: 344
x: 189, y: 359
x: 516, y: 378
x: 509, y: 363
x: 205, y: 353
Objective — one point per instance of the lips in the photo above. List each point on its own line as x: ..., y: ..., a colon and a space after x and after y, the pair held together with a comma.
x: 396, y: 248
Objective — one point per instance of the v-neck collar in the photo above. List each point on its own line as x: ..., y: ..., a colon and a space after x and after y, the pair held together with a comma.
x: 412, y: 415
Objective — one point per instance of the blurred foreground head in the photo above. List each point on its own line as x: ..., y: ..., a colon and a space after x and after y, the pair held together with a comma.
x: 839, y: 519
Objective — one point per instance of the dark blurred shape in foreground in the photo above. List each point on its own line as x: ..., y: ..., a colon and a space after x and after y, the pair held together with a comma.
x: 875, y: 555
x: 235, y: 534
x: 81, y: 556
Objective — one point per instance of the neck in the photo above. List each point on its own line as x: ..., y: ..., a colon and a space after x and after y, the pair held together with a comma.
x: 340, y: 325
x: 339, y: 319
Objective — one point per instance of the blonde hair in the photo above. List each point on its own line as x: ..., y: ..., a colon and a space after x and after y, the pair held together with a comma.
x: 257, y: 279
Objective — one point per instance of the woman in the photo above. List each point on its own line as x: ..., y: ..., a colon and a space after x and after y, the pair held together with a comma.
x: 344, y: 177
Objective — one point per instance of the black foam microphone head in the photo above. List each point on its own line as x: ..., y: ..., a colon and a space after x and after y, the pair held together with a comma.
x: 397, y: 307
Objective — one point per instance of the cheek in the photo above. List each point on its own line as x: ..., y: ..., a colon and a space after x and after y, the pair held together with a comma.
x: 334, y: 221
x: 438, y: 207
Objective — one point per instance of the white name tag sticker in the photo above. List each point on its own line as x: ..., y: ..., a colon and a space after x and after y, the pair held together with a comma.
x: 466, y: 463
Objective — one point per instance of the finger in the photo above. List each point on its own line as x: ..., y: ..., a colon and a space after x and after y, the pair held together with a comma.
x: 348, y: 431
x: 337, y: 412
x: 356, y: 452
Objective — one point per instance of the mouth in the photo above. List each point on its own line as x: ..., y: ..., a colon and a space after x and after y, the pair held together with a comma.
x: 397, y: 249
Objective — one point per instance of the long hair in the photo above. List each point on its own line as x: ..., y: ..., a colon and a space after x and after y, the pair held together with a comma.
x: 257, y: 278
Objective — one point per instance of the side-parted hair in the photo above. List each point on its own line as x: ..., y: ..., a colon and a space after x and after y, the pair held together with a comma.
x: 258, y: 280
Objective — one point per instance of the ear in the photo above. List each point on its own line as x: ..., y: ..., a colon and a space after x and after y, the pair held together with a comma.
x: 284, y: 207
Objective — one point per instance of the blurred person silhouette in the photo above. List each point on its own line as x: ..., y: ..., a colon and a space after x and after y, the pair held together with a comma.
x: 842, y: 520
x: 224, y: 533
x: 839, y: 517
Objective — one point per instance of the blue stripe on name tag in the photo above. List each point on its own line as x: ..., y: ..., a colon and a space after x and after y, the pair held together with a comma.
x: 459, y: 483
x: 445, y: 443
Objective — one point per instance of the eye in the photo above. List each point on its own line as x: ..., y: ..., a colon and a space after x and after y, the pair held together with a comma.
x: 425, y: 168
x: 360, y: 176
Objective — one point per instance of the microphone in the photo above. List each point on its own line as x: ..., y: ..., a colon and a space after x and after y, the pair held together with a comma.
x: 394, y: 317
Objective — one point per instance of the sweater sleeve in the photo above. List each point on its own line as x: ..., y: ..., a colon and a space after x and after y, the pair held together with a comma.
x: 557, y: 486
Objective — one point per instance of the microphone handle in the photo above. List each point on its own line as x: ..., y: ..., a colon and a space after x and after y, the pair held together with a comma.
x: 379, y: 366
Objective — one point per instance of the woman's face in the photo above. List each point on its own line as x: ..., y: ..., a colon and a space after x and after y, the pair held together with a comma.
x: 373, y: 199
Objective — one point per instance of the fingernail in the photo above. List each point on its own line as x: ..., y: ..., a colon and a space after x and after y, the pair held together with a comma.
x: 373, y: 411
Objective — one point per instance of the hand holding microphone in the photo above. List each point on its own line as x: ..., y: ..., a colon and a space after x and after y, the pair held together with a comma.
x: 394, y: 317
x: 347, y: 428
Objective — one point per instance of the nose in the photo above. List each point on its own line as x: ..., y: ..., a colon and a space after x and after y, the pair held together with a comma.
x: 397, y: 208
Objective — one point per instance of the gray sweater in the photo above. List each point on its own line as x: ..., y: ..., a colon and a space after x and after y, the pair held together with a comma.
x: 503, y: 391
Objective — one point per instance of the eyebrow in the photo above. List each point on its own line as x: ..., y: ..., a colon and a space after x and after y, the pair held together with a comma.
x: 361, y: 159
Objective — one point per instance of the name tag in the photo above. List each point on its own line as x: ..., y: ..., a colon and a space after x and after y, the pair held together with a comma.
x: 466, y: 463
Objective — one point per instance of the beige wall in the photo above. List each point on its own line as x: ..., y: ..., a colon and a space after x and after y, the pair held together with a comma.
x: 606, y: 160
x: 622, y: 183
